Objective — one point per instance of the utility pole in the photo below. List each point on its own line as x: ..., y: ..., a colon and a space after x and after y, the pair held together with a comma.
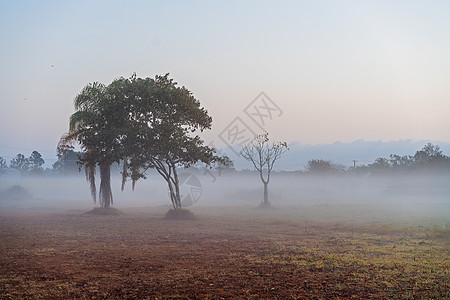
x: 354, y: 166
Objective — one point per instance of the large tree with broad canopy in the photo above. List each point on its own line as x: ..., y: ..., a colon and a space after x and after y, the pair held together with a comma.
x: 143, y: 123
x: 163, y: 132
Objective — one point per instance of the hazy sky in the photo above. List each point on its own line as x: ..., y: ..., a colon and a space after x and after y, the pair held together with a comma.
x: 335, y: 70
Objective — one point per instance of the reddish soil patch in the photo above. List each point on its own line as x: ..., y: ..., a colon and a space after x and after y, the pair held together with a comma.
x: 141, y: 255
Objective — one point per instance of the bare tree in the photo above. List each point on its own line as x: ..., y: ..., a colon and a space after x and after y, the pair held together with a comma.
x: 263, y: 156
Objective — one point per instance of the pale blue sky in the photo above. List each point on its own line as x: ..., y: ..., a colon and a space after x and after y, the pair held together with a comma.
x: 338, y: 70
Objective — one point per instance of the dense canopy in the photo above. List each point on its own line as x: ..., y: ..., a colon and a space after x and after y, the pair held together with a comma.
x: 142, y: 123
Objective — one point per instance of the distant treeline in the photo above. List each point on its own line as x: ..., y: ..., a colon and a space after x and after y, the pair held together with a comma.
x: 428, y: 159
x: 66, y: 164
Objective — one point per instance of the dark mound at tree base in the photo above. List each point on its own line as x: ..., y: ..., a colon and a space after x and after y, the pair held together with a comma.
x: 180, y: 214
x: 101, y: 211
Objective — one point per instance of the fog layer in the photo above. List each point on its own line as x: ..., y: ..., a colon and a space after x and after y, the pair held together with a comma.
x: 409, y: 195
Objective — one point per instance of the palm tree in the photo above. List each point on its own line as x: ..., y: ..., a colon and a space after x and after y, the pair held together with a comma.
x: 94, y: 125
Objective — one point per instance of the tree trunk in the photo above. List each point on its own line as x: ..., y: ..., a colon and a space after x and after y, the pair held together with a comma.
x: 266, y: 195
x: 174, y: 190
x: 105, y: 193
x: 90, y: 177
x: 172, y: 194
x: 177, y: 188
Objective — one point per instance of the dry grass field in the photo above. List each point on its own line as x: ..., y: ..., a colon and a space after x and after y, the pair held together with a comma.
x: 224, y: 254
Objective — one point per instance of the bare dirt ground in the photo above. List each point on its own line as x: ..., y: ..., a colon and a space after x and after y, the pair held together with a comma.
x: 246, y: 255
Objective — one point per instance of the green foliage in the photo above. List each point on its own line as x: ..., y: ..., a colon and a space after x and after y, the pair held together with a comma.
x: 96, y: 127
x: 20, y: 163
x: 400, y: 163
x: 3, y: 164
x: 144, y: 123
x: 31, y: 165
x: 160, y: 131
x: 320, y: 166
x: 224, y: 163
x: 429, y: 158
x: 35, y: 163
x: 67, y: 162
